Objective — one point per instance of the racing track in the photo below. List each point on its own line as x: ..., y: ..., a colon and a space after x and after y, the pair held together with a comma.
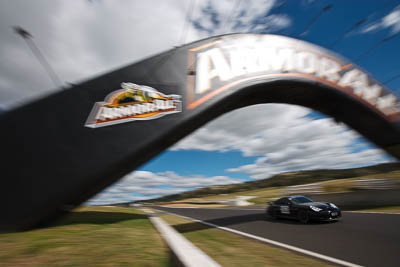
x: 360, y: 238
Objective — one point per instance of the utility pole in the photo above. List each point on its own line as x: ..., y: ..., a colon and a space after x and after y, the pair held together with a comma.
x: 35, y: 50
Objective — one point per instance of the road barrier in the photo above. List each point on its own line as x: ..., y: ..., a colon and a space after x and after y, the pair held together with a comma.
x: 303, y: 189
x: 184, y: 253
x: 373, y: 184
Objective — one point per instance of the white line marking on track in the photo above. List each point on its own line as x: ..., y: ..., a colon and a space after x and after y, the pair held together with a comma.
x: 272, y: 242
x: 355, y: 211
x: 210, y: 208
x: 373, y: 212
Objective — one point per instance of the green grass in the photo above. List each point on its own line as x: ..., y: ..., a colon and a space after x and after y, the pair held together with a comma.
x: 89, y: 236
x: 233, y: 250
x: 387, y: 170
x: 261, y: 195
x: 264, y: 195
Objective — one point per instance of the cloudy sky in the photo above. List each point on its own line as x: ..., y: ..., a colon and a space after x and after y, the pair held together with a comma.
x: 82, y: 39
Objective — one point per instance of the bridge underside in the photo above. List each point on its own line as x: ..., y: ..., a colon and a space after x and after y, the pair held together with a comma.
x: 61, y: 150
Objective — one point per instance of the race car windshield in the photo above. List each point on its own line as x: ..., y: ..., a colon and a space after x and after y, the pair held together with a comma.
x: 301, y: 200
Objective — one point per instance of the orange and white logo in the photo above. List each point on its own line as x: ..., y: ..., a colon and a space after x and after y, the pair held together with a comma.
x: 132, y: 102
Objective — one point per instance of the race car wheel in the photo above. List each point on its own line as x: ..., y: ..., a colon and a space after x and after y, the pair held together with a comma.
x: 303, y: 217
x: 273, y: 214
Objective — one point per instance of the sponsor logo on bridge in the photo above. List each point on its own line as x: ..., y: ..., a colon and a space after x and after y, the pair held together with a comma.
x: 220, y: 65
x: 132, y: 102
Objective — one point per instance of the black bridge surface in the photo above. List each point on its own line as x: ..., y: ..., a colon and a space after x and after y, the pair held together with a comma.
x: 62, y: 149
x: 360, y: 238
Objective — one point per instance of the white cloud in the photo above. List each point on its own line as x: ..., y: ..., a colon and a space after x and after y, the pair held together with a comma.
x: 271, y: 23
x: 243, y: 129
x: 390, y: 21
x: 281, y: 136
x: 144, y: 185
x: 227, y: 16
x: 284, y: 139
x: 80, y: 39
x: 298, y: 159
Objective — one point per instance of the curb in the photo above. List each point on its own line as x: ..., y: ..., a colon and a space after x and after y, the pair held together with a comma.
x: 183, y: 251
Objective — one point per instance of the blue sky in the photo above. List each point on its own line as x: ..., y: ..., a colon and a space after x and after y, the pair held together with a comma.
x: 326, y: 30
x: 198, y: 162
x: 82, y: 39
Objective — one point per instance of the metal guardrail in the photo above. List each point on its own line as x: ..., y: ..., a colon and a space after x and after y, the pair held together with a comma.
x: 304, y: 189
x: 367, y: 184
x: 184, y: 252
x: 375, y: 184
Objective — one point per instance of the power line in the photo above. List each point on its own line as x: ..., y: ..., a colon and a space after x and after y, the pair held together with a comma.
x: 352, y: 28
x: 189, y: 12
x: 279, y: 10
x: 35, y: 50
x: 358, y: 24
x: 229, y: 18
x: 374, y: 46
x: 323, y: 10
x: 392, y: 79
x: 157, y: 64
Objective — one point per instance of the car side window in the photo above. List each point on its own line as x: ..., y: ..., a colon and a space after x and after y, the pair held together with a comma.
x: 287, y: 202
x: 281, y: 201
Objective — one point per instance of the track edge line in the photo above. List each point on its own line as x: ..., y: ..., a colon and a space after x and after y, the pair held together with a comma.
x: 272, y: 242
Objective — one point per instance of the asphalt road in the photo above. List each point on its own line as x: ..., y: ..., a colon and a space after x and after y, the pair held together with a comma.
x: 359, y: 238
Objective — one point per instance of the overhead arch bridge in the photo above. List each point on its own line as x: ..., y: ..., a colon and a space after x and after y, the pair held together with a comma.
x: 62, y: 149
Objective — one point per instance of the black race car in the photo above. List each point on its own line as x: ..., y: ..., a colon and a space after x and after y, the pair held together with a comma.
x: 303, y: 209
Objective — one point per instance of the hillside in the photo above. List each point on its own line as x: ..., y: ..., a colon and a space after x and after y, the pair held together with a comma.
x: 284, y: 179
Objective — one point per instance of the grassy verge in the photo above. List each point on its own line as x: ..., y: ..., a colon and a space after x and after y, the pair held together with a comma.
x: 89, y: 236
x: 258, y: 193
x: 232, y: 250
x: 263, y: 195
x: 388, y: 170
